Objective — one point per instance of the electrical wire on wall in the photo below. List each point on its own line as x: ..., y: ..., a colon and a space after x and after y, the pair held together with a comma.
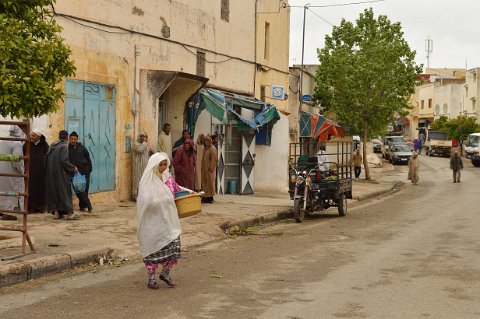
x: 114, y: 29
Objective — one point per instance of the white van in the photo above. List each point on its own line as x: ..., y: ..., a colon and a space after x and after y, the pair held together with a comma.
x: 473, y: 145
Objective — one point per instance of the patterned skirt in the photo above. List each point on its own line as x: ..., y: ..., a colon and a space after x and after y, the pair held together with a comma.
x: 170, y: 252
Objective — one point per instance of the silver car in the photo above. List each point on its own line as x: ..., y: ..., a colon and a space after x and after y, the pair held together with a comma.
x: 399, y: 153
x: 387, y: 140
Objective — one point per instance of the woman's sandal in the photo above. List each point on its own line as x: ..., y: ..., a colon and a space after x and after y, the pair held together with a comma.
x: 167, y: 280
x: 153, y: 285
x: 73, y: 217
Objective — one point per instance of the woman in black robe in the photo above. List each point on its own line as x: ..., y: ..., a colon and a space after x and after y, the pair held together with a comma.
x: 36, y: 183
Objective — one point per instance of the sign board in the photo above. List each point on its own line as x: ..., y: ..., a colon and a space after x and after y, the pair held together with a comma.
x: 307, y: 98
x: 278, y: 92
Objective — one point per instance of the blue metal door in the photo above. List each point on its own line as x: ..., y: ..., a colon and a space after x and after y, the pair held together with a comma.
x: 90, y: 110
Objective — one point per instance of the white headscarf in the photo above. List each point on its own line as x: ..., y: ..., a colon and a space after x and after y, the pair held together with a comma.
x: 152, y: 165
x: 157, y: 216
x: 37, y: 132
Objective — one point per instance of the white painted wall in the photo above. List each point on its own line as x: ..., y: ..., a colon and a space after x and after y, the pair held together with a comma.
x: 449, y: 95
x: 271, y: 163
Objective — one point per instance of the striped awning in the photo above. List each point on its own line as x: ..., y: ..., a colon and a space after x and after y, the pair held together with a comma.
x: 319, y: 127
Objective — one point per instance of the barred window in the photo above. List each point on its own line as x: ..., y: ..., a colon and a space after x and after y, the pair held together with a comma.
x: 200, y: 63
x: 225, y: 10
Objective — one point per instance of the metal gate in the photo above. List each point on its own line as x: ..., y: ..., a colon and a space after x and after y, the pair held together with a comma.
x: 90, y: 111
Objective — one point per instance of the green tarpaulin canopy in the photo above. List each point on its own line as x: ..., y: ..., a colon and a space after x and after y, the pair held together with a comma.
x: 220, y: 104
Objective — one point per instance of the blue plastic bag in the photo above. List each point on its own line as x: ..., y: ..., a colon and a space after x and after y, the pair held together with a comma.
x: 79, y: 183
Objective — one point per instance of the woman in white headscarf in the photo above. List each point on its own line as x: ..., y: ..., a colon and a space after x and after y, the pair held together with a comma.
x: 157, y: 218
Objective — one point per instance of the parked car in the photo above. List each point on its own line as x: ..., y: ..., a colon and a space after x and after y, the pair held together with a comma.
x: 472, y: 147
x: 377, y: 145
x: 475, y: 160
x: 390, y: 139
x: 399, y: 153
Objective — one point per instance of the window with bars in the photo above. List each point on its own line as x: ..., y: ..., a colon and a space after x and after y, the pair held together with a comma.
x: 200, y: 63
x: 225, y: 10
x: 263, y: 93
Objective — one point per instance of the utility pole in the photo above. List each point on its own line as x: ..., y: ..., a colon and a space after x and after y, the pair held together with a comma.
x: 305, y: 7
x: 428, y: 49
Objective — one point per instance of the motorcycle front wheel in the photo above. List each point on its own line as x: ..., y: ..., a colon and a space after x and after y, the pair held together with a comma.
x: 298, y: 212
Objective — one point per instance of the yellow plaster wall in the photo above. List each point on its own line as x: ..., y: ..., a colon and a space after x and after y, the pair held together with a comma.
x: 109, y: 57
x: 271, y: 162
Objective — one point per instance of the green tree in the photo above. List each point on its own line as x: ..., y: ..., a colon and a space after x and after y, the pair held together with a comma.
x: 33, y: 58
x: 457, y: 128
x: 440, y: 124
x: 366, y: 75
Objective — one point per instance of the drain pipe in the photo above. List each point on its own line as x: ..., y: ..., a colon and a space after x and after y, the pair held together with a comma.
x: 136, y: 91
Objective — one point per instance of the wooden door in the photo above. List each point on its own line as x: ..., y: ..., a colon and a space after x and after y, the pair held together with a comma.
x: 90, y: 111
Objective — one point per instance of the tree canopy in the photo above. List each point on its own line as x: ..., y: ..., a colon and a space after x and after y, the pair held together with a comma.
x: 33, y: 58
x: 457, y: 128
x: 366, y: 74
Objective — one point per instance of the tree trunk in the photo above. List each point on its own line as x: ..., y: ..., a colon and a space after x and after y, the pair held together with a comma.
x: 364, y: 150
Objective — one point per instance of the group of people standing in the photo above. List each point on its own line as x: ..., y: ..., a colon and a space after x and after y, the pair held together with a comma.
x: 51, y: 171
x: 194, y: 164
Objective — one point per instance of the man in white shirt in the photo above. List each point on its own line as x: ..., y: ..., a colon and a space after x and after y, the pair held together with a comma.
x: 165, y: 140
x: 322, y: 159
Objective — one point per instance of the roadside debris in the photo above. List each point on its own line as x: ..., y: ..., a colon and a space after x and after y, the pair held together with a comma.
x: 111, y: 260
x: 235, y: 231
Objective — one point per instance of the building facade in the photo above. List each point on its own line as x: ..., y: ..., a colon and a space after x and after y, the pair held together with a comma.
x: 471, y: 93
x: 441, y: 93
x: 139, y: 65
x: 302, y: 83
x: 271, y: 86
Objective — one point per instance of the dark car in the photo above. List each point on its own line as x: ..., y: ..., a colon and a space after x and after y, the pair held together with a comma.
x: 377, y: 145
x: 399, y: 153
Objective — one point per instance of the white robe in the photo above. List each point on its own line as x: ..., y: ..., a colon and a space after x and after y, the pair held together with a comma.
x: 157, y: 216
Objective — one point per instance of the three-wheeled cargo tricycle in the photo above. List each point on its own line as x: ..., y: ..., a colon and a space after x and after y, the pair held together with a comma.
x: 320, y: 176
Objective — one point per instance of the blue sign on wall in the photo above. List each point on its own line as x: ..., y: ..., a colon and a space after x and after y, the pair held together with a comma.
x: 307, y: 98
x: 278, y: 92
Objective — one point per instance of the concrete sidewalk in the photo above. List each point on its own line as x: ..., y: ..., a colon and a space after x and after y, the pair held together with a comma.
x: 111, y: 230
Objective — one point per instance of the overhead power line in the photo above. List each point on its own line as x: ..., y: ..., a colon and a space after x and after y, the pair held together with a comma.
x: 339, y: 4
x: 321, y: 18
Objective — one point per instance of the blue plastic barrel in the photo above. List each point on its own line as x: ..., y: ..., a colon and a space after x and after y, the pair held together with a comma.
x: 232, y: 186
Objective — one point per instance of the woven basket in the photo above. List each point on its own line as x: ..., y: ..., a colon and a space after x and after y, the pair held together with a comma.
x: 188, y: 205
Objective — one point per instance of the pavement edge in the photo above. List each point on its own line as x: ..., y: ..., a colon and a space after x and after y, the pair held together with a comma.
x: 287, y: 213
x: 15, y: 273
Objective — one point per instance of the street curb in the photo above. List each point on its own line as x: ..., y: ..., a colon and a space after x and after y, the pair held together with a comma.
x: 393, y: 188
x: 15, y: 273
x: 287, y: 213
x: 263, y: 219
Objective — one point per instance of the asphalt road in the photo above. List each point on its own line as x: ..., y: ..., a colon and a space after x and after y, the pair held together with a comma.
x: 413, y: 254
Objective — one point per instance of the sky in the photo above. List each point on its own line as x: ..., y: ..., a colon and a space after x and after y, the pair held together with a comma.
x: 453, y: 25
